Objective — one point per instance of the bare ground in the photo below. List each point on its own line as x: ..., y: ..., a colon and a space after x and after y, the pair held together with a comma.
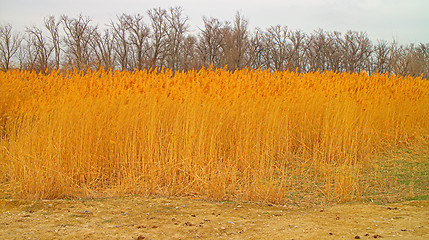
x: 177, y: 218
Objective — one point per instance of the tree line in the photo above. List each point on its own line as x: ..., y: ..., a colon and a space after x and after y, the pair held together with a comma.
x: 162, y: 38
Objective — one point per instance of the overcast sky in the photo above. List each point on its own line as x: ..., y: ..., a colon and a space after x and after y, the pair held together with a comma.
x: 406, y: 21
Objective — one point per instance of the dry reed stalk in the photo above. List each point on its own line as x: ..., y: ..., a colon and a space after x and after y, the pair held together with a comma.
x: 250, y: 135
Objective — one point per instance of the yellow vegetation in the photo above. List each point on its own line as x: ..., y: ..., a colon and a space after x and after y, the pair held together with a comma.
x: 249, y: 134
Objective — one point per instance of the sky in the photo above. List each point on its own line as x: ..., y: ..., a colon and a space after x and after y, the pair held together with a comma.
x: 405, y: 21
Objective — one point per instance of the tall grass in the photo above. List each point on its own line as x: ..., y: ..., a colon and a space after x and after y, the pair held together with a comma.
x: 249, y: 135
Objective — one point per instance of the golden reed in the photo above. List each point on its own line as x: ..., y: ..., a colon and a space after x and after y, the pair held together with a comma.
x: 249, y: 134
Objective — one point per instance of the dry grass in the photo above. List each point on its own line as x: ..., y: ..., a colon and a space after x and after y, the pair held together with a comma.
x: 249, y: 135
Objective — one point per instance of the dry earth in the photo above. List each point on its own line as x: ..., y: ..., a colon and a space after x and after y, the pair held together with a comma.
x: 177, y: 218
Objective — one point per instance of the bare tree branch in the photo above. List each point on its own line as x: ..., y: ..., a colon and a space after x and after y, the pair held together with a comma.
x: 9, y: 45
x: 79, y: 34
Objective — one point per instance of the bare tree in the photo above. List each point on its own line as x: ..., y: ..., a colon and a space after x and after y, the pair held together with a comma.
x: 317, y: 45
x: 53, y: 28
x: 322, y: 51
x: 296, y: 57
x: 138, y: 34
x: 277, y: 47
x: 355, y: 48
x: 421, y: 60
x: 411, y: 60
x: 79, y: 34
x: 176, y: 27
x: 236, y: 43
x: 26, y: 54
x: 397, y: 60
x: 210, y: 43
x: 158, y: 18
x: 103, y: 49
x: 255, y: 58
x: 21, y: 54
x: 333, y: 50
x: 120, y: 39
x: 9, y: 45
x: 165, y: 41
x: 381, y: 55
x: 42, y: 50
x: 189, y: 59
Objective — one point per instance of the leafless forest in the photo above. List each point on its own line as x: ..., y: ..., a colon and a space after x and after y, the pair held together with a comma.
x: 162, y: 38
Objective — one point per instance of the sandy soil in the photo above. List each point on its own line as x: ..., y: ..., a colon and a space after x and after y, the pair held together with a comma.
x: 173, y: 218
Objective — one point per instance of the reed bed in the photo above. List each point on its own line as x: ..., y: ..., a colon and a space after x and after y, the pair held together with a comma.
x: 248, y: 134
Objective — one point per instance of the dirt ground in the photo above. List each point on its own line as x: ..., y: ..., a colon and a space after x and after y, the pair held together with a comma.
x: 177, y: 218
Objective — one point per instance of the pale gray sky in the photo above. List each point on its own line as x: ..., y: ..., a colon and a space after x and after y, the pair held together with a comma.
x: 406, y: 21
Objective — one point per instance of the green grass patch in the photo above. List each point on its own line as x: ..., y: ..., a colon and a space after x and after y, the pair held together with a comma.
x: 400, y: 175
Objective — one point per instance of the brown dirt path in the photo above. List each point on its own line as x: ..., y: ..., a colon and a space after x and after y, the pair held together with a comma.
x: 173, y: 218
